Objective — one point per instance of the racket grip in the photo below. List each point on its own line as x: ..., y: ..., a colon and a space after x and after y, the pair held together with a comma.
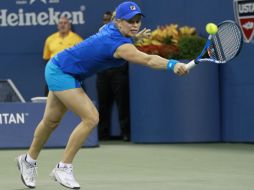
x: 190, y: 65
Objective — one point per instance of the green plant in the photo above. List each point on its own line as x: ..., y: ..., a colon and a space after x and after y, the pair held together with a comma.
x: 190, y: 47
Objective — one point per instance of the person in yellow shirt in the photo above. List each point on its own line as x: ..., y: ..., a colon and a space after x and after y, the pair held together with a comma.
x: 60, y: 40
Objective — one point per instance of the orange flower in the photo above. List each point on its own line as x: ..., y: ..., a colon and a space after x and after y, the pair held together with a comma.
x: 164, y: 40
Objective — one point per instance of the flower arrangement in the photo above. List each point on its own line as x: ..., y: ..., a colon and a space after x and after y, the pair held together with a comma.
x: 171, y: 41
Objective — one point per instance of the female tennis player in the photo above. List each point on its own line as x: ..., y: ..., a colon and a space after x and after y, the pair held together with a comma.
x: 111, y: 47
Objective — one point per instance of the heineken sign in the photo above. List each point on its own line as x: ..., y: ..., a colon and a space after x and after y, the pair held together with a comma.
x: 49, y: 16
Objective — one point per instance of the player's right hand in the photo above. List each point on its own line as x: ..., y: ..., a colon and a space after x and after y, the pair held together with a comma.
x: 180, y: 69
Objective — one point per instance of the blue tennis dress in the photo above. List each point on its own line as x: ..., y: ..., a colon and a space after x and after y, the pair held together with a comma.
x: 67, y: 68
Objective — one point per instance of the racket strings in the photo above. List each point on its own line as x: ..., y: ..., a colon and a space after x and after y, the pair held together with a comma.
x: 226, y: 43
x: 232, y: 42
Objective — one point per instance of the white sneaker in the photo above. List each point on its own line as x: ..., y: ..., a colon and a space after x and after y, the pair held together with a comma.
x: 65, y: 177
x: 28, y: 171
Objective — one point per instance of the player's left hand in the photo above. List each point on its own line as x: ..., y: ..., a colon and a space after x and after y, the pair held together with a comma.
x: 145, y: 33
x: 180, y: 69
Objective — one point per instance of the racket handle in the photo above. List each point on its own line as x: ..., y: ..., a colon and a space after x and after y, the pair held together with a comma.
x: 190, y: 65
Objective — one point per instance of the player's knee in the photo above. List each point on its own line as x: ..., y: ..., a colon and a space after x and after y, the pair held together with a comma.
x: 92, y: 119
x: 51, y: 123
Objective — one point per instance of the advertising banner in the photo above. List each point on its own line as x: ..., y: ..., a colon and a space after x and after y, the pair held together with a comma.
x: 19, y: 120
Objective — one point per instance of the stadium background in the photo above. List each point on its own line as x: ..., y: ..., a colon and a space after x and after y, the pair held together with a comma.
x: 216, y: 101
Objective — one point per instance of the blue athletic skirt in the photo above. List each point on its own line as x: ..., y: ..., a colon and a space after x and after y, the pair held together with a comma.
x: 57, y: 80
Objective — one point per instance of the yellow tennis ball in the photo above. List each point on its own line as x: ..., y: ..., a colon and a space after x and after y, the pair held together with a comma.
x: 211, y: 28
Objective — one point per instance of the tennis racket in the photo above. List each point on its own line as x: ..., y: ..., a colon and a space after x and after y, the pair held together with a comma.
x: 222, y: 46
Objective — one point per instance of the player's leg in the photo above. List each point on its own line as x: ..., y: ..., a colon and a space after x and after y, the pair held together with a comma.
x: 77, y: 101
x: 81, y: 105
x: 27, y: 163
x: 53, y: 114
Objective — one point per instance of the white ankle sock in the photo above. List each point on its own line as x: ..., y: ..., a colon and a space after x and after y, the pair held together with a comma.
x: 30, y: 160
x: 63, y: 165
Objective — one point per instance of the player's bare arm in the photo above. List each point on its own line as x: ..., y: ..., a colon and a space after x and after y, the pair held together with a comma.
x: 130, y: 53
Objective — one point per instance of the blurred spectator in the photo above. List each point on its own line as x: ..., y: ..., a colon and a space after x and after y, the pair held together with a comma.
x: 113, y: 86
x: 62, y: 39
x: 107, y: 17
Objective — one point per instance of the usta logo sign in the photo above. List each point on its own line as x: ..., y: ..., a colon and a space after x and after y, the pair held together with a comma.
x: 244, y: 13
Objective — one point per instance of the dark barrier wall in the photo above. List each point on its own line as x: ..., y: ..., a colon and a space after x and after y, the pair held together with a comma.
x: 167, y: 108
x: 223, y: 110
x: 237, y: 84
